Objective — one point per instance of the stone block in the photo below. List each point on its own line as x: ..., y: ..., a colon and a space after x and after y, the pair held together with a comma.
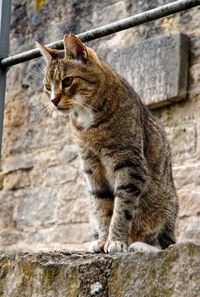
x: 61, y: 234
x: 73, y: 190
x: 45, y: 157
x: 189, y: 198
x: 16, y: 113
x: 188, y: 174
x: 109, y: 13
x: 6, y: 209
x: 1, y: 180
x: 188, y: 229
x: 173, y: 272
x: 182, y: 138
x: 16, y: 162
x: 10, y: 237
x: 73, y: 233
x: 16, y: 180
x: 59, y: 175
x: 156, y: 68
x: 73, y: 211
x: 35, y: 207
x: 68, y: 153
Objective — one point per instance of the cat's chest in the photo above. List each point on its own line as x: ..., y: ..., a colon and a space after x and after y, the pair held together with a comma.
x: 87, y: 137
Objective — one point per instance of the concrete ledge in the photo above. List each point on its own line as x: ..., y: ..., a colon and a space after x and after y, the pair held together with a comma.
x: 173, y: 272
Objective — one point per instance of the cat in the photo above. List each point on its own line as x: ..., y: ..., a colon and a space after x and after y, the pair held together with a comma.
x: 125, y: 155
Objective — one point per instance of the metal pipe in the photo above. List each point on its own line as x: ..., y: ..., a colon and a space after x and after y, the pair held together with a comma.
x: 5, y: 13
x: 141, y: 18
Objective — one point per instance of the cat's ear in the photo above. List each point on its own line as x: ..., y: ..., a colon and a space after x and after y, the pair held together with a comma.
x: 45, y: 51
x: 74, y: 47
x: 49, y: 53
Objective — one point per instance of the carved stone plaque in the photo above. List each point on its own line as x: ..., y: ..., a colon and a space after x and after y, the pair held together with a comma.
x: 157, y: 68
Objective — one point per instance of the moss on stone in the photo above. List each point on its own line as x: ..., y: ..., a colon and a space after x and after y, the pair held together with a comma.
x: 171, y: 273
x: 50, y: 274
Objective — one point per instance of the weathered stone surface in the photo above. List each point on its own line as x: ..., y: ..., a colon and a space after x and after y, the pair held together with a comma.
x: 61, y: 174
x: 35, y: 207
x: 68, y: 153
x: 16, y: 180
x: 63, y: 234
x: 10, y: 236
x: 73, y: 190
x: 188, y: 228
x: 157, y: 68
x: 16, y: 162
x: 13, y: 117
x: 188, y: 174
x: 1, y: 180
x: 73, y: 211
x: 6, y: 209
x: 113, y: 11
x: 189, y: 197
x: 182, y: 138
x: 173, y: 272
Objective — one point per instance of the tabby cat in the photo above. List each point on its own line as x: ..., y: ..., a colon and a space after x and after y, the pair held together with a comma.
x: 123, y: 147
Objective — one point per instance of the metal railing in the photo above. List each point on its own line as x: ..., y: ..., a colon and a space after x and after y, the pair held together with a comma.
x: 141, y: 18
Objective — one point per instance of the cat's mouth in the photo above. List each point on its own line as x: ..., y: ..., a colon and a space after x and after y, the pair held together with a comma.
x: 64, y: 108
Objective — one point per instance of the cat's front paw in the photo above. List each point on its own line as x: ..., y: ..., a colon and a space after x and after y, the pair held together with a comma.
x: 97, y: 246
x: 115, y: 247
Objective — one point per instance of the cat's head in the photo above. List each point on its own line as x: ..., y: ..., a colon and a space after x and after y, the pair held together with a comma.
x: 73, y: 75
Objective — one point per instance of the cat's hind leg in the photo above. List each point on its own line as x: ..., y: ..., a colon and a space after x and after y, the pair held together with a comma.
x: 130, y: 175
x: 140, y: 246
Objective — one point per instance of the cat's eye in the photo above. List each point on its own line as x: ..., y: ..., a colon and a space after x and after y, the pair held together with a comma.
x: 48, y: 87
x: 67, y: 81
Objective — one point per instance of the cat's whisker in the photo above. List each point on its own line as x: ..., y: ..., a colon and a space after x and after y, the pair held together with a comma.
x: 78, y: 108
x: 43, y: 112
x: 82, y: 105
x: 46, y: 110
x: 85, y: 106
x: 90, y: 106
x: 37, y: 74
x: 39, y: 70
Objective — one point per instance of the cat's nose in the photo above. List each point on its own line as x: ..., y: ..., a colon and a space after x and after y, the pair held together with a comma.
x: 56, y: 100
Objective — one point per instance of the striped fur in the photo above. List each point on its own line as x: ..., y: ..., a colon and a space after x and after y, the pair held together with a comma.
x: 125, y: 154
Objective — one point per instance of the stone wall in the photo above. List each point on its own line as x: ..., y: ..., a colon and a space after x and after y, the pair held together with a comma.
x: 43, y: 195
